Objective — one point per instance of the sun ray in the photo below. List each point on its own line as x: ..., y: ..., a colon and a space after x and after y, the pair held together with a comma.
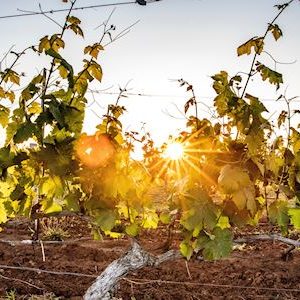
x: 157, y: 164
x: 177, y: 168
x: 195, y: 133
x: 163, y: 169
x: 196, y: 159
x: 197, y: 169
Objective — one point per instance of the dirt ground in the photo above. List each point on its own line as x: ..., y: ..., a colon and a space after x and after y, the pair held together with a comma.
x: 255, y: 271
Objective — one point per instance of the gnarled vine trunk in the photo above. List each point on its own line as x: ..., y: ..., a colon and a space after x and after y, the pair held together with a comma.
x: 136, y: 258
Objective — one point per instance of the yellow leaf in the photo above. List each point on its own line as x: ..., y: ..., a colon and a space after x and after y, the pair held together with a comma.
x: 151, y: 219
x: 56, y: 43
x: 232, y: 178
x: 50, y: 207
x: 246, y: 48
x: 114, y: 235
x: 93, y: 50
x: 73, y: 20
x: 12, y: 76
x: 63, y: 72
x: 2, y: 92
x: 223, y: 222
x: 3, y: 214
x: 44, y: 44
x: 87, y: 49
x: 10, y: 95
x: 96, y: 72
x: 35, y: 108
x: 52, y: 187
x: 239, y: 199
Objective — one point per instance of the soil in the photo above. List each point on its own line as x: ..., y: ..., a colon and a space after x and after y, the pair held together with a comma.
x: 254, y: 271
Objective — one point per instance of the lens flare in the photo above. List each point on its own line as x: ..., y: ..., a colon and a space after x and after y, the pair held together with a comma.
x: 174, y: 151
x: 94, y: 151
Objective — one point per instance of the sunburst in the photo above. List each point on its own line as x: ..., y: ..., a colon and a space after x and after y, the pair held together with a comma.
x: 180, y: 158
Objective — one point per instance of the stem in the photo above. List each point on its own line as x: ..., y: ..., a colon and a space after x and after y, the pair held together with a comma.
x: 105, y: 32
x: 250, y: 74
x: 45, y: 87
x: 18, y: 56
x: 53, y: 60
x: 289, y: 116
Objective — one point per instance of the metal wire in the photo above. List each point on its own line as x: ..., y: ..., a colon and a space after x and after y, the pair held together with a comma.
x: 52, y: 11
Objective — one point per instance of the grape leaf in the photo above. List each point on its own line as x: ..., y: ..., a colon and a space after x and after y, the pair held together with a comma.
x: 282, y: 118
x: 132, y: 229
x: 279, y: 214
x: 267, y: 73
x: 106, y: 219
x: 186, y: 249
x: 232, y: 178
x: 50, y: 206
x: 3, y: 214
x: 257, y: 43
x: 223, y: 222
x: 52, y: 187
x: 93, y: 50
x: 216, y: 245
x: 199, y: 211
x: 276, y: 31
x: 24, y: 132
x: 294, y: 214
x: 4, y: 115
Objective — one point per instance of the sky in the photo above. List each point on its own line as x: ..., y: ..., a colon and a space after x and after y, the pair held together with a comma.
x: 189, y: 39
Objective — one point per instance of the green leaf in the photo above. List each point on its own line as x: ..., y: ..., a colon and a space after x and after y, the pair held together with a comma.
x: 199, y: 211
x: 257, y: 106
x: 165, y: 217
x: 279, y: 214
x: 106, y: 219
x: 6, y: 157
x: 132, y: 229
x: 245, y: 198
x: 254, y: 140
x: 186, y: 249
x: 56, y: 43
x: 73, y: 20
x: 72, y: 201
x: 54, y: 108
x: 294, y: 214
x: 256, y: 43
x: 26, y: 131
x: 12, y: 76
x: 219, y: 245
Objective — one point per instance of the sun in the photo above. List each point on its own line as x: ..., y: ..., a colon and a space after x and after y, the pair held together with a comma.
x: 174, y: 151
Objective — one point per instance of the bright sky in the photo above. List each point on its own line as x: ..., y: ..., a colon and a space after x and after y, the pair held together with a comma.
x: 190, y: 39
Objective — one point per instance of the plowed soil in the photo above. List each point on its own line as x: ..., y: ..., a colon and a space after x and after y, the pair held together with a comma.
x: 254, y: 271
